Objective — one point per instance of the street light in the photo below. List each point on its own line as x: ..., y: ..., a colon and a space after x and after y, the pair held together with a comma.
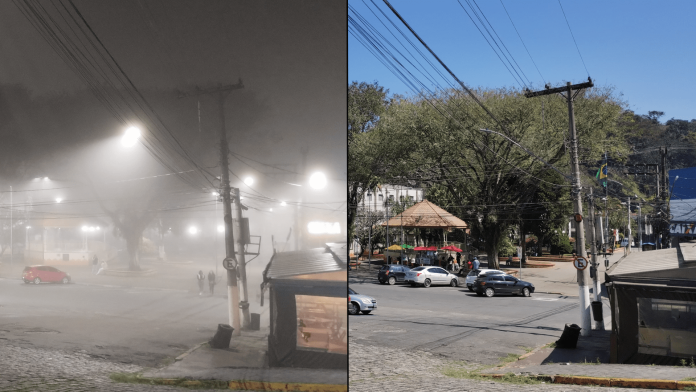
x: 249, y: 181
x: 193, y: 230
x: 317, y: 180
x: 130, y: 137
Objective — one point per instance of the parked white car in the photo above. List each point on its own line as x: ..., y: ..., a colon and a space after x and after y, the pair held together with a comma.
x: 473, y: 274
x: 427, y: 276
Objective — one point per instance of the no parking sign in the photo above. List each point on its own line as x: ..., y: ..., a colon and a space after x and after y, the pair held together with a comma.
x: 580, y: 263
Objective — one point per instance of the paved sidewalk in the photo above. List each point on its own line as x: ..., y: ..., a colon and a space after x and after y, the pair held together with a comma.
x: 381, y: 369
x: 244, y: 366
x: 588, y: 364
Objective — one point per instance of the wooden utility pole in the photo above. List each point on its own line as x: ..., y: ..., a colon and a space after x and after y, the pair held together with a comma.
x: 571, y: 91
x: 232, y: 276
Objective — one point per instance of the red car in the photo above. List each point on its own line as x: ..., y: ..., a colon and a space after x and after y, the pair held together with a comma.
x: 44, y: 273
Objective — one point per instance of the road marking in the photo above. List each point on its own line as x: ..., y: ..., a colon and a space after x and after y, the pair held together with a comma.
x: 545, y: 299
x: 389, y: 330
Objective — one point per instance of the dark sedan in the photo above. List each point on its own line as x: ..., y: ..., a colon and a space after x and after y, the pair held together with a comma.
x: 492, y: 284
x: 392, y: 273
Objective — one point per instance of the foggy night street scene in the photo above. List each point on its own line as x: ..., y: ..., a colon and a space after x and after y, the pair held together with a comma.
x: 172, y: 195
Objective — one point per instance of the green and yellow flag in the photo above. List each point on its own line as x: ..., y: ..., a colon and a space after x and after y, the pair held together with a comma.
x: 602, y: 174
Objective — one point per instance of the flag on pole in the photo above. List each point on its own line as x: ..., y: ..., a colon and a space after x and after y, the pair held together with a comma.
x: 602, y: 174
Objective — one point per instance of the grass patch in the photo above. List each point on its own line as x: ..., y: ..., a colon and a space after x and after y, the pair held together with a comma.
x: 551, y: 345
x: 689, y: 379
x: 136, y: 378
x: 595, y: 362
x: 689, y: 389
x: 461, y: 370
x: 509, y: 378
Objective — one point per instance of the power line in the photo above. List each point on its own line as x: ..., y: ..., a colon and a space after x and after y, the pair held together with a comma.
x: 572, y: 35
x: 525, y: 46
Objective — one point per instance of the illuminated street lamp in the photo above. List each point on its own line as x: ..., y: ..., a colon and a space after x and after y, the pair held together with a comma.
x: 249, y: 181
x: 193, y: 230
x: 130, y: 137
x: 282, y: 203
x: 317, y: 180
x: 58, y: 199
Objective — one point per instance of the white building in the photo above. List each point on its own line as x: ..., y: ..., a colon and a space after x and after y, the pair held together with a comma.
x: 375, y: 199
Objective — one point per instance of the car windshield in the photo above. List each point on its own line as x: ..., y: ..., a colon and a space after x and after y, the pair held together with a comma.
x: 351, y: 291
x: 473, y: 273
x: 27, y: 269
x: 418, y: 269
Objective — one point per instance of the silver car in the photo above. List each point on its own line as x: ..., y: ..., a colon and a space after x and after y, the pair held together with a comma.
x: 360, y: 303
x: 427, y: 276
x: 473, y: 274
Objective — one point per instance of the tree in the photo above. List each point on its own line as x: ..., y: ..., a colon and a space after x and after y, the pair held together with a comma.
x: 368, y: 228
x: 366, y: 103
x: 482, y: 177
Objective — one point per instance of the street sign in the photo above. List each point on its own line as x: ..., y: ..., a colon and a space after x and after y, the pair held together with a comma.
x: 229, y: 263
x: 580, y: 263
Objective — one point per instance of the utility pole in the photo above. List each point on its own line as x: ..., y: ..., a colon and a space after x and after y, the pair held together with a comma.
x: 596, y: 289
x: 571, y: 91
x: 241, y: 241
x: 232, y: 288
x: 11, y: 224
x: 628, y: 229
x: 664, y: 224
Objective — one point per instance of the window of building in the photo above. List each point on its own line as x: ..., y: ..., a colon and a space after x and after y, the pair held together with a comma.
x: 381, y: 197
x: 410, y: 198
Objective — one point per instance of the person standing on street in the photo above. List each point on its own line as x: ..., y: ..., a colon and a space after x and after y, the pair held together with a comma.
x: 211, y: 282
x: 95, y: 263
x: 201, y: 279
x: 475, y: 263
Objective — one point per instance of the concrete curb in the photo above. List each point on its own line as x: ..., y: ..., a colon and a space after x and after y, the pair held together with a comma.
x: 609, y: 382
x: 189, y: 351
x: 248, y: 385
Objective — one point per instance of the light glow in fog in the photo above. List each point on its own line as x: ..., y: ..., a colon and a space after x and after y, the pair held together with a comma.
x: 324, y: 228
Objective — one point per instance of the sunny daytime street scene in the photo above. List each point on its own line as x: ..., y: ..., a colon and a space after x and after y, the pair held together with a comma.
x: 521, y: 195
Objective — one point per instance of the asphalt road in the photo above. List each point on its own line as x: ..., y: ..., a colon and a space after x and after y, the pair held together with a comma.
x: 456, y: 324
x: 138, y: 326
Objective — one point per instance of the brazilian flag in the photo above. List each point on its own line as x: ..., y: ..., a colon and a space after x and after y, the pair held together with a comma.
x: 602, y: 175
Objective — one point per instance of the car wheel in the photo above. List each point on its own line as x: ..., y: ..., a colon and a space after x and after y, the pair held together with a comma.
x: 453, y: 283
x: 353, y: 308
x: 27, y: 282
x: 471, y: 289
x: 426, y: 283
x: 65, y: 280
x: 366, y: 311
x: 37, y: 280
x: 392, y: 281
x: 490, y: 292
x: 479, y: 294
x: 526, y: 292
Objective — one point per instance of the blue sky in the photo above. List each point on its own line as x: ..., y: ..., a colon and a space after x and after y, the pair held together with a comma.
x: 645, y: 50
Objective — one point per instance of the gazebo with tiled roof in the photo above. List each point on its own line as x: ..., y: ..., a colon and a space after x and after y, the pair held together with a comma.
x: 426, y: 215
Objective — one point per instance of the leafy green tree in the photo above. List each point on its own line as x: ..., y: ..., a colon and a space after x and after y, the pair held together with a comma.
x: 482, y: 177
x: 366, y: 103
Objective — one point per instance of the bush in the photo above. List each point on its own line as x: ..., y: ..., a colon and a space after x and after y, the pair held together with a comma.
x: 561, y: 245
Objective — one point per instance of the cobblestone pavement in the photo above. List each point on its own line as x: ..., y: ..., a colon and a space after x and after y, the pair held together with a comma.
x: 31, y: 369
x: 380, y: 369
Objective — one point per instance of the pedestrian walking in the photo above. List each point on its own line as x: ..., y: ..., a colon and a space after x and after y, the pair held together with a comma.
x: 201, y: 280
x: 211, y: 282
x: 95, y: 263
